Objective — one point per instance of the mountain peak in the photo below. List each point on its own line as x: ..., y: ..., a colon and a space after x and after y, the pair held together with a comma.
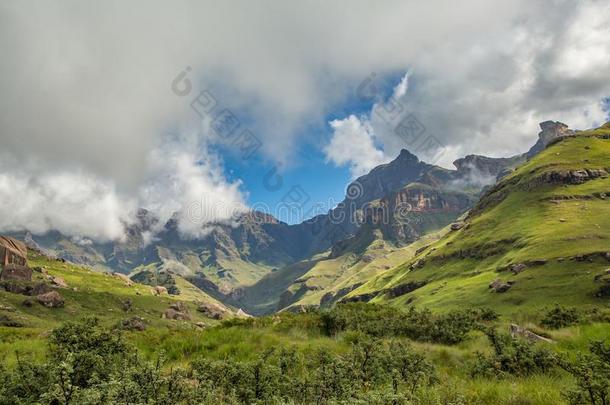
x: 406, y: 155
x: 550, y: 130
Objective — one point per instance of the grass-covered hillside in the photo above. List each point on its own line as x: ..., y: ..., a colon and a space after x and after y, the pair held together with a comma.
x: 83, y: 292
x: 541, y: 236
x: 331, y: 279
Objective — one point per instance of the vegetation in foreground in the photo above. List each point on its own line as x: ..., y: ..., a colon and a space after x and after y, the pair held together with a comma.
x: 354, y: 353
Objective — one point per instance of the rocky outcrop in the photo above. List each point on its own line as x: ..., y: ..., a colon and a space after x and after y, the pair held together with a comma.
x: 134, y: 323
x: 39, y: 289
x: 360, y: 298
x: 518, y: 331
x: 500, y: 191
x: 126, y: 280
x: 173, y: 314
x: 51, y: 300
x: 59, y: 282
x: 159, y: 290
x: 551, y: 131
x: 500, y: 287
x: 456, y: 226
x: 604, y: 279
x: 568, y: 177
x: 12, y: 251
x: 177, y: 311
x: 16, y: 272
x: 333, y: 296
x: 407, y: 214
x: 212, y: 310
x: 517, y: 268
x: 404, y: 288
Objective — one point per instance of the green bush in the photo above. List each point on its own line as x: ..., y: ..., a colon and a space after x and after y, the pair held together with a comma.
x: 514, y: 357
x: 560, y: 317
x: 386, y: 321
x: 592, y: 374
x: 89, y: 364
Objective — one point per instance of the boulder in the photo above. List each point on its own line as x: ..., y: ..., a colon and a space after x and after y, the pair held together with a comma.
x: 517, y: 268
x: 212, y: 310
x: 39, y: 289
x: 518, y: 331
x: 124, y: 279
x: 179, y: 306
x: 159, y: 290
x: 175, y: 315
x: 60, y: 282
x: 457, y: 226
x: 499, y: 286
x: 51, y: 299
x: 134, y: 323
x: 16, y: 272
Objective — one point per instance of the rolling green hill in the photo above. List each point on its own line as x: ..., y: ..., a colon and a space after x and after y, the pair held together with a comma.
x: 103, y: 295
x: 543, y: 232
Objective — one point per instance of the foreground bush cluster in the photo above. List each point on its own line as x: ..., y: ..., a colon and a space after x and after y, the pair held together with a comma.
x: 87, y: 363
x: 90, y: 364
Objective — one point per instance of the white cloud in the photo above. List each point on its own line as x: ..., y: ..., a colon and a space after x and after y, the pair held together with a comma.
x: 85, y: 87
x: 489, y: 99
x: 352, y: 144
x: 186, y: 179
x: 76, y: 204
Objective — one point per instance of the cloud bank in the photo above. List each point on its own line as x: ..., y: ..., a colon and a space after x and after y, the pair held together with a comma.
x: 86, y: 100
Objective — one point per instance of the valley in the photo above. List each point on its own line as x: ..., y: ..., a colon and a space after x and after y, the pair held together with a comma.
x: 478, y: 284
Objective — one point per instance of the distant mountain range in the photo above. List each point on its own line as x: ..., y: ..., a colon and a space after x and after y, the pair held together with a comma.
x: 263, y: 264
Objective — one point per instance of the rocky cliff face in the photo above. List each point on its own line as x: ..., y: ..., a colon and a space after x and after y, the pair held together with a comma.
x: 322, y: 232
x: 551, y: 130
x: 407, y: 214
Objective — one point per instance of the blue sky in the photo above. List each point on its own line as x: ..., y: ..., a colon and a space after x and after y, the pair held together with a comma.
x: 317, y: 183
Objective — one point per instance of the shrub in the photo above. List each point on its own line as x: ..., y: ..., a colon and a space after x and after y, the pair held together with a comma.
x: 515, y: 357
x: 385, y: 321
x: 560, y: 317
x: 592, y: 374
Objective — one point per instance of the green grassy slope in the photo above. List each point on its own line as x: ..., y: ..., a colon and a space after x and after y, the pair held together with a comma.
x: 332, y: 278
x: 535, y: 216
x: 90, y: 293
